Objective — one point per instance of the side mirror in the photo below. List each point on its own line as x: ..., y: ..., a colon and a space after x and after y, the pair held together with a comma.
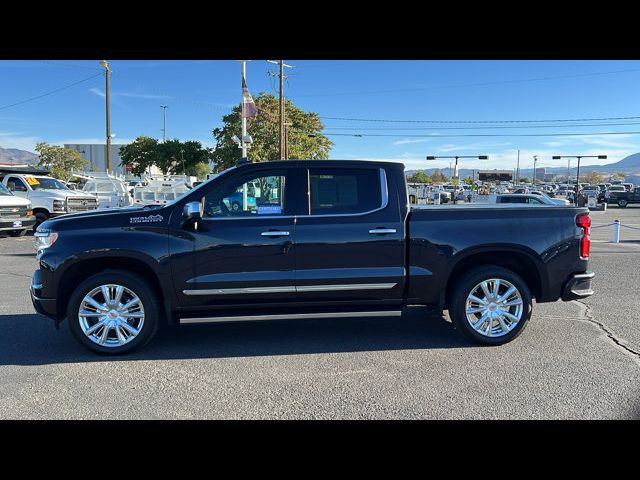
x: 192, y: 211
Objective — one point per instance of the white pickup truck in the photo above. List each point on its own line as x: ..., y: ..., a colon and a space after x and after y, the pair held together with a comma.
x: 49, y: 197
x: 16, y: 216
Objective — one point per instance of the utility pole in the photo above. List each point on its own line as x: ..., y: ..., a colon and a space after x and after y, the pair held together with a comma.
x: 164, y: 122
x: 107, y: 73
x: 535, y: 162
x: 243, y: 144
x: 283, y: 153
x: 517, y: 179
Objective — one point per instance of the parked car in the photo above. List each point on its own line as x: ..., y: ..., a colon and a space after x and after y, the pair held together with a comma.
x: 615, y: 188
x: 524, y: 198
x: 16, y: 214
x: 325, y: 239
x: 624, y: 198
x: 50, y: 197
x: 557, y: 201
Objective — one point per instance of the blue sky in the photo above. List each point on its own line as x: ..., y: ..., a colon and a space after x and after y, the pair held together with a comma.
x: 199, y: 93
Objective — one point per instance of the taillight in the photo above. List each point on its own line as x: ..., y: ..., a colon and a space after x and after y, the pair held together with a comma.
x: 584, y: 221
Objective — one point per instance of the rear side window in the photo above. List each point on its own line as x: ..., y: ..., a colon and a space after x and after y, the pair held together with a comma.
x: 335, y: 191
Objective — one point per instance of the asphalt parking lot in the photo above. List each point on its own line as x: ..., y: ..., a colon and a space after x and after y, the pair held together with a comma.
x: 575, y: 360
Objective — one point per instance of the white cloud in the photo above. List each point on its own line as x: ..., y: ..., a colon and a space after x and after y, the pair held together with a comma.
x: 19, y: 141
x: 409, y: 140
x: 99, y: 92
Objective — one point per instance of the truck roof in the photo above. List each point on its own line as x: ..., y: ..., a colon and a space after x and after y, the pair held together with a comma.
x: 326, y: 163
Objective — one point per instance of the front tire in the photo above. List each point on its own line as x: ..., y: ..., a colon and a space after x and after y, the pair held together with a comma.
x: 114, y: 312
x: 40, y: 218
x: 18, y: 233
x: 490, y: 305
x: 622, y: 203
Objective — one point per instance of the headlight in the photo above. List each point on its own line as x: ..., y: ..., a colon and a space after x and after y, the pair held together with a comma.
x: 44, y: 239
x: 58, y: 205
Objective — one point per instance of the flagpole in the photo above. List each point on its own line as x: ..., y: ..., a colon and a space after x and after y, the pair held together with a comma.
x: 244, y: 119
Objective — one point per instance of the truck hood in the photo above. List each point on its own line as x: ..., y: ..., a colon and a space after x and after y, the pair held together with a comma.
x: 13, y: 201
x: 122, y: 217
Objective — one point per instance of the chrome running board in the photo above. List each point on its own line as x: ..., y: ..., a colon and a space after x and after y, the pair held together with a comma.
x: 291, y: 316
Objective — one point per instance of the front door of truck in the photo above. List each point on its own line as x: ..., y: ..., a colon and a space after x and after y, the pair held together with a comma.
x: 242, y: 251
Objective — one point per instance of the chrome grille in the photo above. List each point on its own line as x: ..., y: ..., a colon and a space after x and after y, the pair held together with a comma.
x: 81, y: 204
x: 13, y: 212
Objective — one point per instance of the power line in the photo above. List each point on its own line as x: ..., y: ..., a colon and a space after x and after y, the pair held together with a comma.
x: 51, y: 92
x: 479, y: 121
x: 487, y: 127
x: 329, y: 134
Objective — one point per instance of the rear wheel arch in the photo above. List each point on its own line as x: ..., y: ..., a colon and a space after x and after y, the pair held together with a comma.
x: 518, y: 261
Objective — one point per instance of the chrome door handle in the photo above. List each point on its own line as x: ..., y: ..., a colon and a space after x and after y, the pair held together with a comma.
x: 272, y: 233
x: 378, y: 231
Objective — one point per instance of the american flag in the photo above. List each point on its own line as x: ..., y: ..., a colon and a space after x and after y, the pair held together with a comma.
x: 249, y: 109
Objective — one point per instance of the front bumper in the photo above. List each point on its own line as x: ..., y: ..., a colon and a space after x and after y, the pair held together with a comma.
x: 10, y: 223
x: 44, y: 306
x: 578, y: 286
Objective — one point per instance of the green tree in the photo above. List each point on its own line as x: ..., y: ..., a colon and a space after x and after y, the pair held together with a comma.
x: 172, y: 156
x: 468, y: 180
x: 304, y: 138
x: 524, y: 180
x: 419, y: 177
x: 140, y: 154
x: 593, y: 177
x: 59, y: 160
x: 437, y: 176
x: 202, y: 169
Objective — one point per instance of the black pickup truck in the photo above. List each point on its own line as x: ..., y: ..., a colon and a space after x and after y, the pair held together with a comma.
x: 310, y: 239
x: 625, y: 198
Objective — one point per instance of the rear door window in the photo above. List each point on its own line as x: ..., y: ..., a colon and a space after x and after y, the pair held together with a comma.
x: 338, y: 191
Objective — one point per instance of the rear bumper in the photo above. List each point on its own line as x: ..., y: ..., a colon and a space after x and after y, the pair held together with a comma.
x: 44, y: 306
x: 578, y: 286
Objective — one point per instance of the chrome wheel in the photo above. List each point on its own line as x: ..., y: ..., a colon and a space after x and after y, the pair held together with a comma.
x: 111, y: 315
x: 494, y: 307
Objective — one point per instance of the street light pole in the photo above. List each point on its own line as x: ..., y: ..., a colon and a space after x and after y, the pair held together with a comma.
x: 164, y: 122
x: 535, y: 163
x: 455, y: 172
x: 107, y: 73
x: 579, y: 157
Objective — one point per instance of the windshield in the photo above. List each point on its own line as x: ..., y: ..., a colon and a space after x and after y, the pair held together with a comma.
x: 46, y: 183
x: 4, y: 190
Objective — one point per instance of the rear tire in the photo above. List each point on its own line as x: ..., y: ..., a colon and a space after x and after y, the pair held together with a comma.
x: 122, y: 329
x: 492, y: 319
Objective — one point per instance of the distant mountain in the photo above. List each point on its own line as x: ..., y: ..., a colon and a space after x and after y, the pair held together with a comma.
x: 14, y: 155
x: 631, y: 162
x: 629, y: 165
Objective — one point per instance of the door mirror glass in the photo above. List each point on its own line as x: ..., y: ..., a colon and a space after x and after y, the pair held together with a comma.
x: 192, y: 211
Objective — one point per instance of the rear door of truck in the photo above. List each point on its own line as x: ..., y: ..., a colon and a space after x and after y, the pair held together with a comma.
x: 350, y: 241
